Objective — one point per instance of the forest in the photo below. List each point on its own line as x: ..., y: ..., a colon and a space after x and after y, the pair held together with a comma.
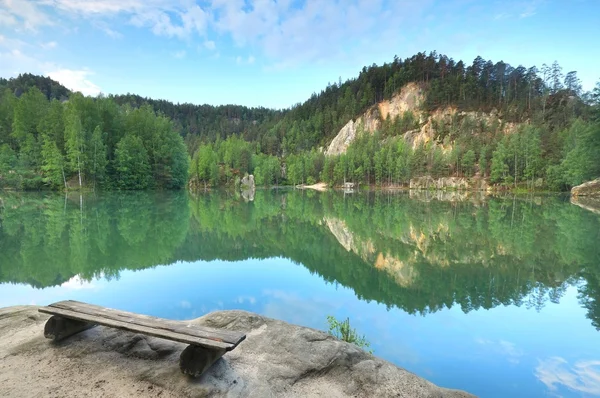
x: 83, y: 142
x: 555, y: 145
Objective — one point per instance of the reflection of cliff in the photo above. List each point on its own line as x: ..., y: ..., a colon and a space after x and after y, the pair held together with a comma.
x: 400, y: 271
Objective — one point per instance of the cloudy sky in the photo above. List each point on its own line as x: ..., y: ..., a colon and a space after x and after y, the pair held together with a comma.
x: 277, y: 52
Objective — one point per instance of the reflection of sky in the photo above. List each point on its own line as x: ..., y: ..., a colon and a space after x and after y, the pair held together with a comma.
x: 506, y: 351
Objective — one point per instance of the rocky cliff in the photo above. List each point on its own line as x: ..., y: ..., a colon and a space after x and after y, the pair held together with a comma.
x: 409, y: 99
x: 276, y: 360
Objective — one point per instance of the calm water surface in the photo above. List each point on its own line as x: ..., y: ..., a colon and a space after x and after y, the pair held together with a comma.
x: 499, y: 297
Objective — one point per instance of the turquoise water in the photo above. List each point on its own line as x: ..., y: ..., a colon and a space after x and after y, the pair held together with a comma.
x: 495, y: 296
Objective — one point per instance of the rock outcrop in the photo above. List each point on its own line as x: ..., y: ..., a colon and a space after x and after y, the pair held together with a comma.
x: 276, y: 359
x: 410, y: 99
x: 449, y: 183
x: 587, y: 195
x: 248, y: 188
x: 590, y: 188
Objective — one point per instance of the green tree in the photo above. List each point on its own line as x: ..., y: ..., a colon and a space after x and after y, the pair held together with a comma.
x: 499, y: 168
x: 468, y: 163
x: 75, y: 142
x: 132, y: 164
x: 98, y: 159
x: 53, y: 164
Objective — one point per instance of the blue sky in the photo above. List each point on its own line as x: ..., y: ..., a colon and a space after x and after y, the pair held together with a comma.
x: 275, y: 53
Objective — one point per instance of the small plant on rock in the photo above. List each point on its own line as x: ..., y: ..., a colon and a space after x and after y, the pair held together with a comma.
x: 343, y: 331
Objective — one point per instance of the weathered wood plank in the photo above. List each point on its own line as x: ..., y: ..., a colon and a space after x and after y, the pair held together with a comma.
x: 195, y: 360
x: 58, y: 328
x: 162, y: 333
x: 174, y: 330
x: 184, y: 327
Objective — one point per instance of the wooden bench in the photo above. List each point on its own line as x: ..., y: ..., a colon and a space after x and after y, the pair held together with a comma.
x: 206, y: 345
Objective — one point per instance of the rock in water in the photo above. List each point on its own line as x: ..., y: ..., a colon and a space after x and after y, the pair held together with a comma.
x: 247, y: 187
x: 276, y: 360
x: 587, y: 195
x: 590, y: 188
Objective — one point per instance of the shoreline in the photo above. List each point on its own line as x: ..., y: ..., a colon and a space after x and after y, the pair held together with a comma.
x: 276, y: 359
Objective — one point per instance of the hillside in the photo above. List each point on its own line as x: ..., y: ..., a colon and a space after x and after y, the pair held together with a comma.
x: 427, y: 115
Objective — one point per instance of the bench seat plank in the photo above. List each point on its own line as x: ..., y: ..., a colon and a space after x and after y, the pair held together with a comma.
x: 173, y: 330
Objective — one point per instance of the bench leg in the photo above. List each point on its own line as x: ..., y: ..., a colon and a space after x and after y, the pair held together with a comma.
x: 195, y: 360
x: 58, y: 328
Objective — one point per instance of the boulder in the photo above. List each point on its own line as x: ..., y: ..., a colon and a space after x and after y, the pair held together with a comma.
x: 276, y: 359
x: 590, y: 188
x: 449, y: 183
x: 248, y: 187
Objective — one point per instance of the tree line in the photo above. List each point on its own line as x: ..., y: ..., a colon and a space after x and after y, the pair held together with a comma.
x: 86, y: 142
x: 557, y: 144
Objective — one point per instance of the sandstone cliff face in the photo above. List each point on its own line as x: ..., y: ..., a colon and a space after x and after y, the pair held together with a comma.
x: 409, y: 99
x: 590, y: 188
x: 587, y: 195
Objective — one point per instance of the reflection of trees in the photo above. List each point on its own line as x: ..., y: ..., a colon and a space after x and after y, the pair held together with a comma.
x: 45, y: 240
x: 418, y: 256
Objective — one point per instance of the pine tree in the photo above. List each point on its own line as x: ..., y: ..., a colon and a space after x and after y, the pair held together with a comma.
x: 75, y: 143
x: 98, y: 160
x: 53, y: 164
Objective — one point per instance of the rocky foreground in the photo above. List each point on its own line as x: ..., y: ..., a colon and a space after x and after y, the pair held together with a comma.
x: 276, y: 359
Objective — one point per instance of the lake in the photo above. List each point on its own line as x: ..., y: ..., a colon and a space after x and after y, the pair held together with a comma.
x: 496, y: 296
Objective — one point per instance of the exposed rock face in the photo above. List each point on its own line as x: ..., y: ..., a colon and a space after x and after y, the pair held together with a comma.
x: 587, y: 195
x: 590, y: 188
x: 248, y: 187
x: 343, y: 139
x: 276, y: 359
x: 409, y: 99
x: 453, y: 183
x: 590, y: 203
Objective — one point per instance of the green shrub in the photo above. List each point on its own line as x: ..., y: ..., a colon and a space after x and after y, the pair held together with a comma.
x: 343, y: 331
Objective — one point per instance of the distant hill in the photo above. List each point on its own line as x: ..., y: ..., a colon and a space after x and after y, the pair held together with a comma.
x: 51, y: 88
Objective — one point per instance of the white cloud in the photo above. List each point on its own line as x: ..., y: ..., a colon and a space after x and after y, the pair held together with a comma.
x: 76, y: 80
x: 244, y: 61
x: 503, y: 347
x: 49, y: 45
x: 25, y: 12
x: 15, y: 61
x: 185, y: 304
x: 7, y: 19
x: 583, y: 377
x: 11, y: 44
x: 209, y: 44
x: 286, y: 31
x: 179, y: 54
x: 76, y: 283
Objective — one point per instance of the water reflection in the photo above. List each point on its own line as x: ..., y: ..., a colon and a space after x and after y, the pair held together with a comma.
x: 582, y: 376
x: 299, y: 256
x: 418, y: 255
